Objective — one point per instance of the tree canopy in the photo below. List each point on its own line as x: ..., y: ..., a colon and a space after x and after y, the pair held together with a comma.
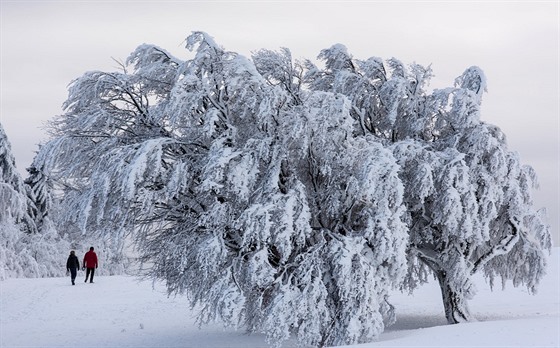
x: 289, y: 198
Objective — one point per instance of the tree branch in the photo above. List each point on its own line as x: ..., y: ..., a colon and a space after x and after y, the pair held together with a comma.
x: 505, y: 246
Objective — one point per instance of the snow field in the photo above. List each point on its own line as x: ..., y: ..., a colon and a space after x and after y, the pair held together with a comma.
x: 121, y: 311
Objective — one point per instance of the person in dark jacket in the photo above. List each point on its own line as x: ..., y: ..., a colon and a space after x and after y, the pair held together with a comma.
x: 72, y: 266
x: 90, y: 264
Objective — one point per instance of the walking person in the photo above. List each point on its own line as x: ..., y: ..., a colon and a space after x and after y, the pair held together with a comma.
x: 72, y: 266
x: 90, y: 264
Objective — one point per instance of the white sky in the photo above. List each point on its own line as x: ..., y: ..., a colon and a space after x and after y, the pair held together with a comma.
x: 46, y: 44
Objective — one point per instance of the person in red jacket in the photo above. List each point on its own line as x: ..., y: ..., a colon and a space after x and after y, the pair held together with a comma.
x: 90, y: 264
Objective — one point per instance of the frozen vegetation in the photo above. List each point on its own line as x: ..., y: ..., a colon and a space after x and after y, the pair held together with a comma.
x: 279, y: 197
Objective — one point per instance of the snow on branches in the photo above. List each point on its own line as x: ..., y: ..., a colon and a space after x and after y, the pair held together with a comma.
x: 289, y: 199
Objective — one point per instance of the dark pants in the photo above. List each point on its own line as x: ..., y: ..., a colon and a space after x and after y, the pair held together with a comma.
x: 88, y: 271
x: 73, y: 272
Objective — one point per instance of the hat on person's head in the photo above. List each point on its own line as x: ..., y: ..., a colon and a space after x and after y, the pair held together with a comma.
x: 91, y: 248
x: 72, y: 252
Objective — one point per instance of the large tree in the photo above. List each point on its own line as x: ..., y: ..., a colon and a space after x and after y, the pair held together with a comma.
x: 288, y: 198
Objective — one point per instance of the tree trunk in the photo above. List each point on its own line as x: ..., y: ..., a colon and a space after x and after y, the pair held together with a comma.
x: 454, y: 300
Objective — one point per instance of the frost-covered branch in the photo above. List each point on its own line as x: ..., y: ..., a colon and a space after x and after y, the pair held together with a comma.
x: 502, y: 247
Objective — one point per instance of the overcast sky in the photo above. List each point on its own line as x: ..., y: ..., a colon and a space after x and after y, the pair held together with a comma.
x: 47, y: 44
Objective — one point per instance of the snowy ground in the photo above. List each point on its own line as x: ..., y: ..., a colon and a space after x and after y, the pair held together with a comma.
x: 122, y: 312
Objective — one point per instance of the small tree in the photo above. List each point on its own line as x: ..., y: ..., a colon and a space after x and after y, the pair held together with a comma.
x: 12, y: 208
x: 14, y: 203
x: 39, y: 191
x: 24, y: 250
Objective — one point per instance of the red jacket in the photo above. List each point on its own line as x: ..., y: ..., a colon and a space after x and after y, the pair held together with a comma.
x: 90, y: 259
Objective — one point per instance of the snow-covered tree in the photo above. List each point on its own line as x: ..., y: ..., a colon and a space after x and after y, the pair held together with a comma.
x: 288, y: 199
x: 14, y: 203
x: 25, y: 250
x: 39, y: 190
x: 468, y: 196
x: 13, y: 209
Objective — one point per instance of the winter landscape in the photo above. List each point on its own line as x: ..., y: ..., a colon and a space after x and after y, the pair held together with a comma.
x: 331, y: 201
x: 120, y: 311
